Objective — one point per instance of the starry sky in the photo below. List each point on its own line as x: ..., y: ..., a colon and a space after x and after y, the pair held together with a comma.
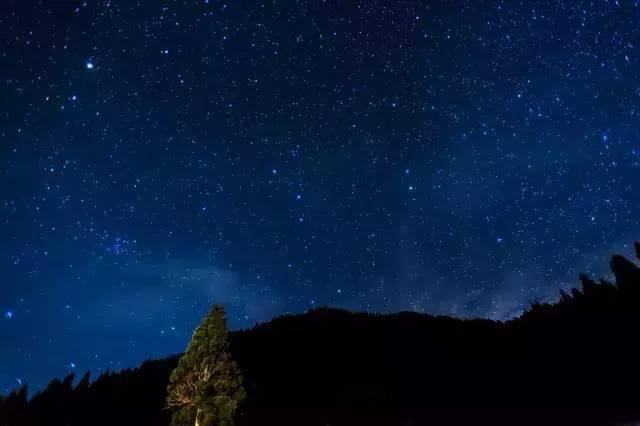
x: 450, y: 157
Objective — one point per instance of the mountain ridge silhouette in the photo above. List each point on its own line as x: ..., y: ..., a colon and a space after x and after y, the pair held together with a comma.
x: 575, y: 361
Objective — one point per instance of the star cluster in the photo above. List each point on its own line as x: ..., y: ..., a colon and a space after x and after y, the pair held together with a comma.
x: 460, y: 158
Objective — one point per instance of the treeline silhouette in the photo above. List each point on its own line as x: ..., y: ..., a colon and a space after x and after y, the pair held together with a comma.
x: 576, y: 361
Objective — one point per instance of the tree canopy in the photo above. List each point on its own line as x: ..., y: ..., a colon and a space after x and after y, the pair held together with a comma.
x: 206, y: 386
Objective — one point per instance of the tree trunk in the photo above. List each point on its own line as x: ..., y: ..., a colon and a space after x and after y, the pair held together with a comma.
x: 198, y: 417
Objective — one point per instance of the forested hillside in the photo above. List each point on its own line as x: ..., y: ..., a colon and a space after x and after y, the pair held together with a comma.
x: 575, y: 361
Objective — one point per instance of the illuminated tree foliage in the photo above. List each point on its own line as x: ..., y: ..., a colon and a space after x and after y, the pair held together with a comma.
x: 206, y: 386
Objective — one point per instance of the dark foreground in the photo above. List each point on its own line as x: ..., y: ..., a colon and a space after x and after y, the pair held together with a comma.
x: 573, y: 362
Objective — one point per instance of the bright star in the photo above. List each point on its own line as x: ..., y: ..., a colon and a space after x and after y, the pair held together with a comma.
x: 8, y: 314
x: 89, y: 65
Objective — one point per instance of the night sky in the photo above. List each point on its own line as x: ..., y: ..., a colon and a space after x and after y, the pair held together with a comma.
x: 452, y: 157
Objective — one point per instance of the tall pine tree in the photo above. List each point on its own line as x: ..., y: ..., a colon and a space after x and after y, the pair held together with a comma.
x: 206, y: 386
